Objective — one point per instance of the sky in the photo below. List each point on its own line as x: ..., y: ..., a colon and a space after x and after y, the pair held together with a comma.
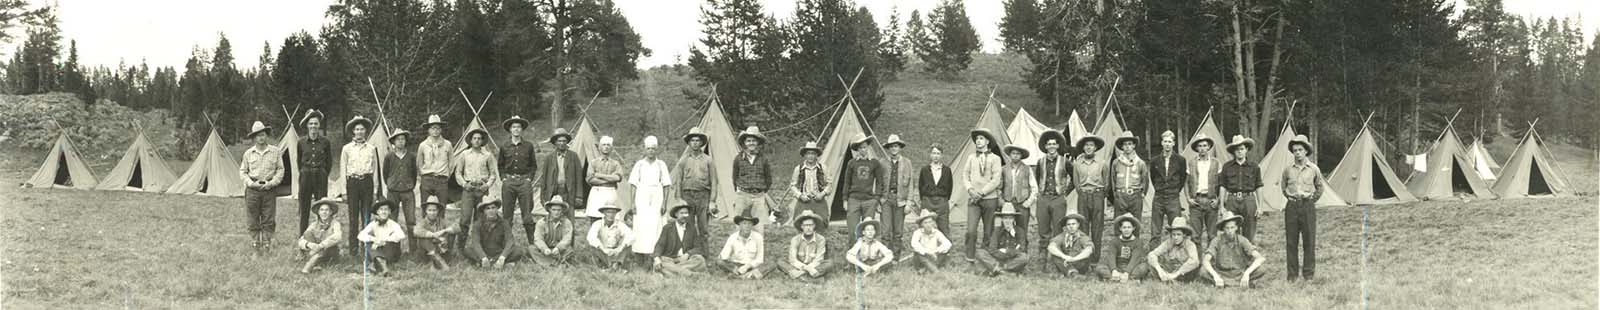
x: 164, y: 32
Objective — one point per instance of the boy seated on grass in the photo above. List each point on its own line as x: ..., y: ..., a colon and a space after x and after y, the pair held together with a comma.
x: 1069, y: 251
x: 382, y: 238
x: 869, y: 255
x: 552, y: 240
x: 432, y: 233
x: 929, y: 243
x: 744, y: 253
x: 609, y: 239
x: 678, y: 250
x: 490, y: 241
x: 321, y: 239
x: 1231, y: 259
x: 807, y: 250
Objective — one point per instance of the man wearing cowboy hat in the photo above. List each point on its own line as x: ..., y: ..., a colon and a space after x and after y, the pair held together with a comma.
x: 434, y: 162
x: 1068, y: 252
x: 901, y: 197
x: 869, y: 255
x: 1090, y: 175
x: 650, y: 179
x: 695, y: 180
x: 1007, y: 249
x: 1168, y: 175
x: 1240, y: 179
x: 677, y: 254
x: 1124, y: 258
x: 1129, y: 176
x: 400, y: 180
x: 476, y: 172
x: 490, y: 241
x: 983, y: 178
x: 809, y: 183
x: 609, y: 239
x: 1176, y: 257
x: 752, y: 176
x: 321, y: 241
x: 935, y: 183
x: 1205, y: 175
x: 1054, y: 176
x: 359, y: 160
x: 863, y: 183
x: 432, y: 233
x: 1231, y: 259
x: 1018, y: 186
x: 562, y: 171
x: 262, y: 170
x: 743, y: 256
x: 1302, y: 185
x: 552, y: 240
x: 604, y: 173
x: 316, y: 157
x: 517, y: 164
x: 382, y: 238
x: 807, y: 250
x: 928, y: 243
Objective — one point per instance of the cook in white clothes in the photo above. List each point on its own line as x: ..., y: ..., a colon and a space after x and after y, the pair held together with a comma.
x: 649, y: 179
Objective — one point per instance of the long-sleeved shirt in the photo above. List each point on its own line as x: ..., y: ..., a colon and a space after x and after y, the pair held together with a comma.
x: 262, y: 164
x: 1302, y: 180
x: 751, y: 172
x: 358, y: 158
x: 492, y: 237
x: 554, y: 233
x: 475, y: 165
x: 1070, y: 244
x: 1203, y: 175
x: 1128, y: 175
x: 1007, y: 243
x: 433, y: 228
x: 1053, y: 174
x: 605, y: 171
x: 902, y: 179
x: 399, y: 172
x: 380, y: 232
x: 1175, y: 259
x: 864, y: 178
x: 983, y: 176
x: 807, y: 251
x: 1123, y: 255
x: 809, y: 179
x: 1169, y: 174
x: 868, y: 250
x: 1090, y: 173
x: 315, y: 154
x: 1019, y: 185
x: 1231, y: 252
x: 613, y: 236
x: 323, y: 234
x: 517, y: 158
x: 745, y: 250
x: 929, y: 241
x: 935, y: 181
x: 695, y: 171
x: 1240, y: 178
x: 433, y: 157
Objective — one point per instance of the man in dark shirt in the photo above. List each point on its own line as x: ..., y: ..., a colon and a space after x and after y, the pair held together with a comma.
x: 491, y: 241
x: 934, y: 183
x: 517, y: 164
x: 1123, y: 256
x: 863, y: 177
x: 562, y: 172
x: 1007, y: 249
x: 1240, y: 179
x: 1168, y: 175
x: 400, y: 179
x: 316, y: 156
x: 752, y: 176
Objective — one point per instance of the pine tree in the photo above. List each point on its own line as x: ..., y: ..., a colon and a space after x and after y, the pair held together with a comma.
x: 892, y: 50
x: 919, y: 40
x: 955, y: 39
x: 1020, y: 24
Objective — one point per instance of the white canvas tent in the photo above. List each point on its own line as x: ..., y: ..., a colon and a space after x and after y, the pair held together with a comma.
x: 1024, y: 129
x: 140, y: 169
x: 215, y: 172
x: 62, y: 168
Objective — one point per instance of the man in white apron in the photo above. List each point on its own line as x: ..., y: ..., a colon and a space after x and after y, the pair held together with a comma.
x: 649, y: 178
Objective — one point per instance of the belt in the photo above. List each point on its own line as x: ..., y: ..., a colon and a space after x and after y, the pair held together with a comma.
x: 752, y: 191
x: 517, y: 176
x: 360, y: 176
x: 1091, y: 189
x: 1238, y: 194
x: 606, y: 186
x: 435, y: 176
x: 1050, y: 193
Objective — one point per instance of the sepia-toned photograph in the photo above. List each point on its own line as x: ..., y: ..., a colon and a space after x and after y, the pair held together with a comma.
x: 799, y: 154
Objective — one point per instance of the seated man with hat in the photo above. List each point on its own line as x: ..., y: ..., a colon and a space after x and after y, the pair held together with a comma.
x: 432, y: 233
x: 1175, y: 258
x: 678, y: 251
x: 1069, y: 251
x: 743, y: 256
x: 321, y: 239
x: 1231, y: 259
x: 868, y: 254
x: 609, y: 239
x: 1122, y: 258
x: 1007, y: 250
x: 807, y: 250
x: 552, y: 240
x: 382, y: 237
x: 930, y: 245
x: 491, y: 241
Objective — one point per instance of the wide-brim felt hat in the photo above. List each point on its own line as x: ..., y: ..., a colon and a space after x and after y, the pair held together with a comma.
x: 1180, y: 223
x: 1194, y: 145
x: 399, y: 132
x: 926, y: 215
x: 257, y: 128
x: 1061, y: 140
x: 434, y: 203
x: 310, y: 114
x: 1063, y: 221
x: 383, y: 203
x: 351, y: 125
x: 860, y: 138
x: 893, y: 140
x: 325, y: 201
x: 1226, y: 219
x: 1303, y: 141
x: 695, y: 132
x: 807, y: 215
x: 673, y: 212
x: 1239, y: 140
x: 1014, y: 147
x: 1008, y: 210
x: 433, y: 120
x: 1117, y: 223
x: 1098, y: 142
x: 610, y: 207
x: 1126, y: 136
x: 864, y: 223
x: 484, y: 206
x: 556, y: 201
x: 468, y: 137
x: 746, y: 218
x: 752, y: 132
x: 559, y: 132
x: 810, y: 147
x: 515, y: 119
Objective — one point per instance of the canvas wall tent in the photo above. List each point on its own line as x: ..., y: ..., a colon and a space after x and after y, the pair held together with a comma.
x: 836, y: 152
x: 1482, y: 163
x: 1363, y: 177
x: 1075, y: 128
x: 723, y: 146
x: 290, y: 145
x: 1531, y: 172
x: 140, y: 169
x: 1449, y: 173
x: 1025, y: 129
x: 990, y: 119
x: 1270, y: 196
x: 215, y: 172
x: 62, y: 168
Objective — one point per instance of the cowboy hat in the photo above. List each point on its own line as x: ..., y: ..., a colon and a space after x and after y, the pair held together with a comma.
x: 351, y: 125
x: 1063, y: 221
x: 515, y: 119
x: 752, y: 132
x: 1126, y: 136
x: 994, y: 145
x: 745, y: 218
x: 1194, y: 145
x: 680, y: 204
x: 609, y: 207
x: 315, y: 206
x: 1226, y: 219
x: 1017, y: 148
x: 695, y: 132
x: 1117, y: 223
x: 256, y: 128
x: 1303, y: 141
x: 1178, y: 223
x: 1098, y: 142
x: 468, y: 137
x: 812, y: 147
x: 485, y: 206
x: 893, y: 140
x: 859, y: 139
x: 807, y: 215
x: 867, y: 221
x: 310, y: 113
x: 558, y: 133
x: 556, y: 201
x: 383, y: 203
x: 433, y: 201
x: 1061, y: 140
x: 1241, y: 140
x: 1008, y: 210
x: 399, y: 132
x: 926, y: 215
x: 434, y: 120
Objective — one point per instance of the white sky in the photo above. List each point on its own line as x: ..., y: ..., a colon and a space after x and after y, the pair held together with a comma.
x: 163, y: 32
